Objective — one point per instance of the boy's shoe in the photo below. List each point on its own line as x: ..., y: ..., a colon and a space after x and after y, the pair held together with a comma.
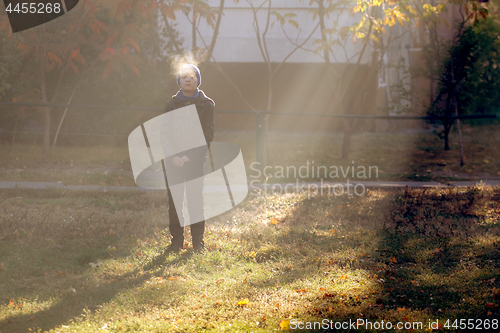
x: 173, y: 248
x: 199, y: 248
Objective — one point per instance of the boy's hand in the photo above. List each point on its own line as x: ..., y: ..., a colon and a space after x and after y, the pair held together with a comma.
x: 177, y: 161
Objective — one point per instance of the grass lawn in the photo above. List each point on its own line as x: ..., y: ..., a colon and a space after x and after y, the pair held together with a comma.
x: 392, y: 156
x: 81, y: 261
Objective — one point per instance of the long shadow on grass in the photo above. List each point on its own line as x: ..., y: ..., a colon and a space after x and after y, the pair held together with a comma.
x: 442, y: 251
x: 39, y: 238
x: 436, y: 251
x: 72, y: 306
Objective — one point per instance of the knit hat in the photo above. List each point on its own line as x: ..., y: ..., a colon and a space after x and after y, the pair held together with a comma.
x: 188, y: 68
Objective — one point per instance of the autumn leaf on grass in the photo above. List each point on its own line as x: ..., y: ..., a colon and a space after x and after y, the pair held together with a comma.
x: 437, y: 251
x: 301, y: 290
x: 61, y: 274
x: 285, y: 325
x: 393, y: 260
x: 243, y: 302
x: 274, y: 220
x: 251, y: 254
x: 172, y: 278
x: 490, y: 305
x: 11, y: 302
x: 496, y: 293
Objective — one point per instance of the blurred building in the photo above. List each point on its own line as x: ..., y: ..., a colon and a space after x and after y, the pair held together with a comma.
x: 237, y: 76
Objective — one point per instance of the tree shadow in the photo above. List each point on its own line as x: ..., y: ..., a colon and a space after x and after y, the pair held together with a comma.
x: 55, y: 248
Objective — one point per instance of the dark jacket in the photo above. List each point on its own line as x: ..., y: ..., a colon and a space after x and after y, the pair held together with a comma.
x: 205, y: 107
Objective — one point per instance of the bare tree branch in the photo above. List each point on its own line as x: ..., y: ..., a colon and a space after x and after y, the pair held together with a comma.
x: 295, y: 49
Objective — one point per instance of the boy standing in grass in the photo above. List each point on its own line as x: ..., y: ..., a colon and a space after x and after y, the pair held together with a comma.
x: 190, y: 162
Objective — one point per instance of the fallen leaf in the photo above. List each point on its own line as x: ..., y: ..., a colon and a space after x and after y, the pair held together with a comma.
x: 173, y: 278
x: 301, y: 290
x: 394, y: 260
x: 274, y: 220
x: 243, y: 302
x: 437, y: 251
x: 285, y: 325
x: 252, y: 254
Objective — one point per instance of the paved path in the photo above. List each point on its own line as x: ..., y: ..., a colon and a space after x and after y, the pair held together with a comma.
x: 278, y: 186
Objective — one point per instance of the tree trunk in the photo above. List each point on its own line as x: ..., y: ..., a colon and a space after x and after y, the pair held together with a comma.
x: 447, y: 128
x: 69, y: 101
x: 194, y: 31
x: 14, y: 135
x: 326, y: 53
x: 266, y: 117
x: 43, y: 91
x: 46, y: 110
x: 346, y: 143
x: 211, y: 48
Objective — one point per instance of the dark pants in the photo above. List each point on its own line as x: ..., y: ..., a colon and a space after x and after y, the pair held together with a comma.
x: 194, y: 194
